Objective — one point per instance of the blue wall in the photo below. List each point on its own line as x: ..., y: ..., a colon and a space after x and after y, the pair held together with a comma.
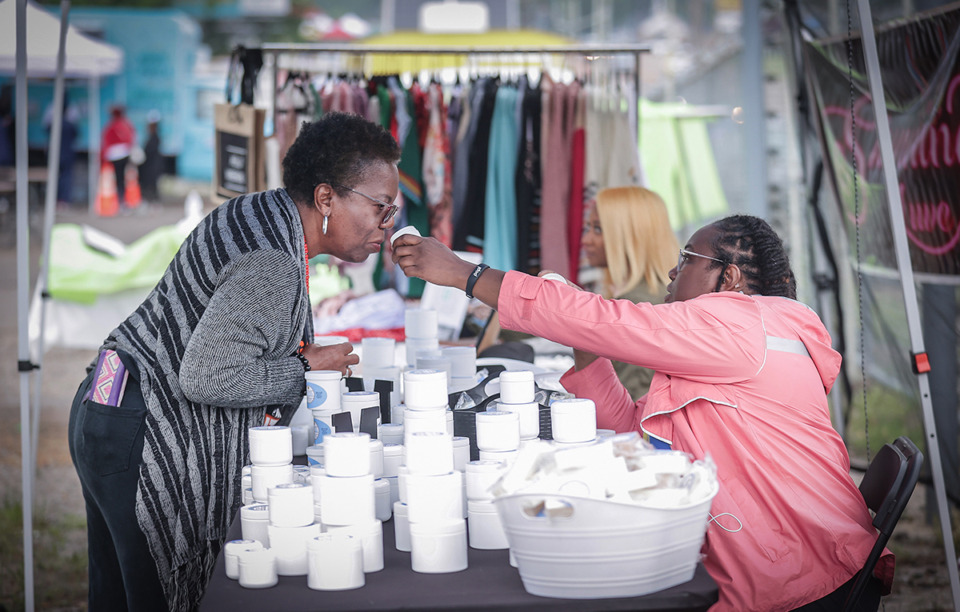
x: 160, y: 52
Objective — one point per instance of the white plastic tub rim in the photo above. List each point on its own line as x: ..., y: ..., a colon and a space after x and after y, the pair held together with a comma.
x: 583, y: 548
x: 557, y: 509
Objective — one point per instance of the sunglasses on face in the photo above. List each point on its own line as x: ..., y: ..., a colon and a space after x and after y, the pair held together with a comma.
x: 685, y: 256
x: 387, y: 210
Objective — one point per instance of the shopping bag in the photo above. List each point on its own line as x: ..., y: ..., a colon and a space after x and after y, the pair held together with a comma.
x: 239, y: 150
x: 106, y: 203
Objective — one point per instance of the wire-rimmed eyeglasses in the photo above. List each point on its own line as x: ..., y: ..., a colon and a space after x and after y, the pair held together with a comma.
x: 685, y: 255
x: 387, y: 209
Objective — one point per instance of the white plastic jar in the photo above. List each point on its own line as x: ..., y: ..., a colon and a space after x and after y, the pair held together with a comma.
x: 257, y: 569
x: 573, y: 420
x: 438, y: 547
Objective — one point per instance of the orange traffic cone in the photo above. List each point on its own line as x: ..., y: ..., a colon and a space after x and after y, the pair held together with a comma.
x: 106, y: 204
x: 131, y: 192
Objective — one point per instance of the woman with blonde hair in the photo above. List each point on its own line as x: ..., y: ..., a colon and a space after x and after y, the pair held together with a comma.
x: 628, y: 234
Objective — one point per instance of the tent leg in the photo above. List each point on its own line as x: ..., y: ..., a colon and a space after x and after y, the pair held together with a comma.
x: 907, y: 281
x: 93, y: 143
x: 23, y: 291
x: 53, y: 176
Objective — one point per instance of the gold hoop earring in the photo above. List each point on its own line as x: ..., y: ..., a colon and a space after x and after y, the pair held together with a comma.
x: 323, y: 228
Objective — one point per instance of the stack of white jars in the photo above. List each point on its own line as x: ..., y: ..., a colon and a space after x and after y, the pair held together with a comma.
x: 348, y: 495
x: 323, y: 400
x: 291, y: 526
x: 378, y: 361
x: 420, y: 331
x: 517, y: 395
x: 463, y: 366
x: 432, y: 491
x: 271, y: 453
x: 515, y: 417
x: 485, y: 528
x: 425, y: 393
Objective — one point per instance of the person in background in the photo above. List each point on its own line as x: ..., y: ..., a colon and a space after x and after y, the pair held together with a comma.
x: 68, y: 156
x: 742, y: 375
x: 627, y: 233
x: 152, y: 167
x: 116, y: 144
x: 159, y: 427
x: 7, y: 140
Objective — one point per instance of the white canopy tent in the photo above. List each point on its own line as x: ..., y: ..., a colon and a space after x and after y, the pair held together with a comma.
x: 85, y: 56
x: 33, y: 43
x: 86, y: 59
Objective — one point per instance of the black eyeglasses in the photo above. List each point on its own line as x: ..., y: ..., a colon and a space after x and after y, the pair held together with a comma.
x: 387, y: 209
x: 685, y: 256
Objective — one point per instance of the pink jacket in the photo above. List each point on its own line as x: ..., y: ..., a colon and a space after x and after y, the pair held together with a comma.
x: 743, y: 379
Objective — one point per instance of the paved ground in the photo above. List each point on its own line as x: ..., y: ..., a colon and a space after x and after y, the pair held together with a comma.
x: 921, y: 575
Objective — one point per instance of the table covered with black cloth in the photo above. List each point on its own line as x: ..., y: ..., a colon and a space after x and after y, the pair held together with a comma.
x: 488, y: 583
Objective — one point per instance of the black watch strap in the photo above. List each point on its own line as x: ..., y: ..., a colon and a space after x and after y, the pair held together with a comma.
x: 472, y: 279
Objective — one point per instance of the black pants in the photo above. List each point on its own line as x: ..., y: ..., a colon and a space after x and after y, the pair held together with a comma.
x: 120, y: 171
x: 106, y: 444
x: 869, y: 600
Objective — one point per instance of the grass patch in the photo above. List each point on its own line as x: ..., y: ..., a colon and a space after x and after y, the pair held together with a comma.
x: 59, y: 554
x: 890, y: 414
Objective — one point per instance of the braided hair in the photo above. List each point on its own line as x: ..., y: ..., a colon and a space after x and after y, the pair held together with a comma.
x: 751, y: 244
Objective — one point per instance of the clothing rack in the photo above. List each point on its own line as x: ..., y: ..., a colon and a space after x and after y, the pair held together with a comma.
x: 274, y: 50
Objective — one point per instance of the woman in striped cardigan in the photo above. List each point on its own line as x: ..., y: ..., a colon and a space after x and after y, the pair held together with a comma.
x: 158, y: 429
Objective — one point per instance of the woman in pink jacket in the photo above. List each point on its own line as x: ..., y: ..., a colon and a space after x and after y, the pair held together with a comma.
x: 742, y: 374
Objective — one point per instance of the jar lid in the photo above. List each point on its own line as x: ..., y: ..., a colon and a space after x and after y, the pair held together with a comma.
x: 255, y: 512
x: 439, y: 528
x: 484, y: 466
x: 481, y: 506
x: 496, y: 416
x: 270, y: 429
x: 234, y: 546
x: 323, y: 375
x: 425, y: 375
x: 289, y: 488
x: 516, y: 376
x: 359, y: 396
x: 573, y: 405
x: 256, y: 556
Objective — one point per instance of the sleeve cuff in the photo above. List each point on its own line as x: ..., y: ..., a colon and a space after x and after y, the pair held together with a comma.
x: 599, y: 372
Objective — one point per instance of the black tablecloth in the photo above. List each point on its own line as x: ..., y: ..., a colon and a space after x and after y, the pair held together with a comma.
x: 489, y: 582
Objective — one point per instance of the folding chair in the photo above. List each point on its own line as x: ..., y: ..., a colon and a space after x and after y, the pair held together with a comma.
x: 886, y: 487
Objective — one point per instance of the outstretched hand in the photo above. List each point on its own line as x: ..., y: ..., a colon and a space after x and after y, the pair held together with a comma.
x: 337, y: 357
x: 427, y: 258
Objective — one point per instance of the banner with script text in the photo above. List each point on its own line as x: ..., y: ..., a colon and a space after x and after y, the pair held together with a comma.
x: 920, y: 66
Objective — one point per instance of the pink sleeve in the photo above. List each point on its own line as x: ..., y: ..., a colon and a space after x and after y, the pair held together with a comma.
x: 718, y: 338
x: 598, y: 381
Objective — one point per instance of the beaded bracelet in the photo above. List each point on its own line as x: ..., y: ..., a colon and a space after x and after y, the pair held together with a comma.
x: 303, y: 360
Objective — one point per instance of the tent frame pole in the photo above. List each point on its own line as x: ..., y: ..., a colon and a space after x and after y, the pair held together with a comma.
x: 53, y: 176
x: 23, y: 291
x: 905, y: 266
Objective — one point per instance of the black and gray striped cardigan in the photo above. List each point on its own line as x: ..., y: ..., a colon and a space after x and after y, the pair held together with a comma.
x: 214, y: 341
